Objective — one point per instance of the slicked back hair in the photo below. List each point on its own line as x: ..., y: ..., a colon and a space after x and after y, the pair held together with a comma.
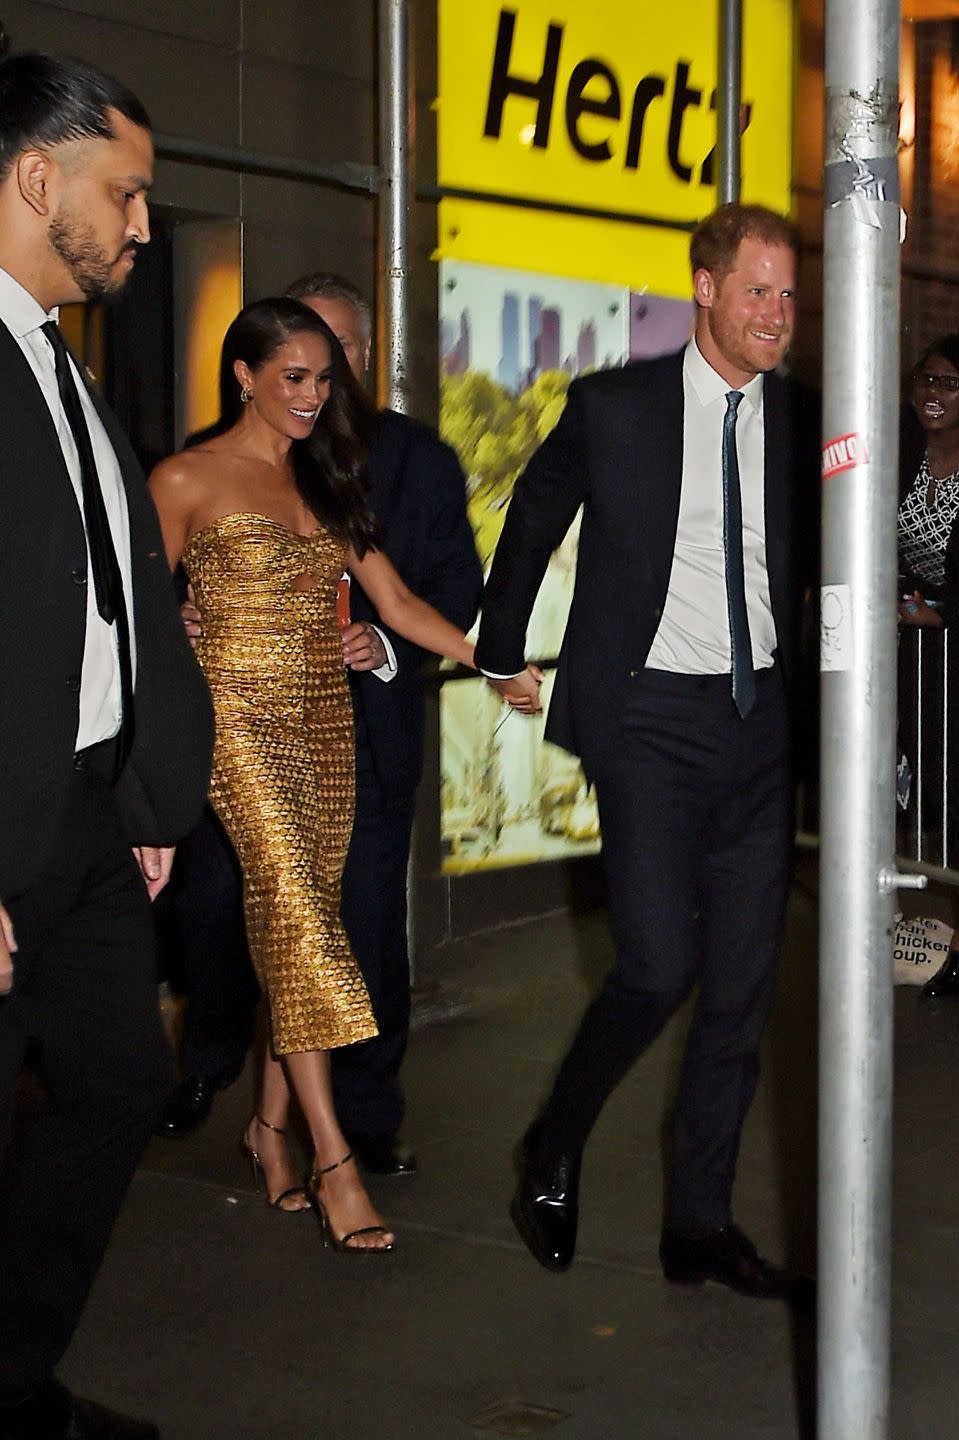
x: 716, y: 240
x: 322, y: 285
x: 45, y: 102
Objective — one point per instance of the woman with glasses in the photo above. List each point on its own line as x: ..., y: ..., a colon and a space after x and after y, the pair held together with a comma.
x: 928, y: 537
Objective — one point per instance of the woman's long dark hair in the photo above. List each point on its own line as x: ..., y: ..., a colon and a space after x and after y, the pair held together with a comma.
x: 330, y: 466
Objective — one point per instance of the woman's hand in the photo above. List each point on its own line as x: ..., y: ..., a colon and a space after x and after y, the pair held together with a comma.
x: 8, y: 946
x: 915, y: 611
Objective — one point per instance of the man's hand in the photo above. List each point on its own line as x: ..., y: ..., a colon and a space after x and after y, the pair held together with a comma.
x: 363, y: 647
x: 155, y: 862
x: 190, y: 616
x: 8, y: 945
x: 522, y: 691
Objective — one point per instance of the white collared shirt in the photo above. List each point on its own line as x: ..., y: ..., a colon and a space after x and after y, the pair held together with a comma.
x: 100, y: 703
x: 693, y: 634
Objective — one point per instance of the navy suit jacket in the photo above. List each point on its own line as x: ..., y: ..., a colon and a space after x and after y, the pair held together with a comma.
x: 43, y: 577
x: 618, y: 451
x: 418, y: 494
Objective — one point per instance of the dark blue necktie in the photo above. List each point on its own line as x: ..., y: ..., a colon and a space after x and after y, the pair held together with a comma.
x: 741, y: 658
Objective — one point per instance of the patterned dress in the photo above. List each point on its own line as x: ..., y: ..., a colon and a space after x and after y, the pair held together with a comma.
x: 924, y: 528
x: 283, y: 763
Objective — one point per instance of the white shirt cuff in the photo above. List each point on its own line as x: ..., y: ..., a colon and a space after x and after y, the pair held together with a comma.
x: 490, y: 675
x: 386, y: 672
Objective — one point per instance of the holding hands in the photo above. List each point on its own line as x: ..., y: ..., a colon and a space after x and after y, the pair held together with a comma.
x: 8, y: 945
x: 522, y: 690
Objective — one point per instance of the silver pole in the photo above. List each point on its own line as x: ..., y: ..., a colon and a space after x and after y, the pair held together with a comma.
x: 857, y: 879
x: 946, y: 739
x: 396, y: 163
x: 729, y: 98
x: 397, y: 107
x: 920, y: 744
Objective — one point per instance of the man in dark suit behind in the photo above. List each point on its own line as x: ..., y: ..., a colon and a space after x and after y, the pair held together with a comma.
x: 417, y: 492
x: 671, y: 686
x: 106, y: 732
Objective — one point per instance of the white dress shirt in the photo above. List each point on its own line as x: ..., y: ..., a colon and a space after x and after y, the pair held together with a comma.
x: 693, y: 634
x: 100, y: 703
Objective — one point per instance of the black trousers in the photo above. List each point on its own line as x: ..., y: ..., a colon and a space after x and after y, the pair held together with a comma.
x: 695, y: 815
x: 203, y: 941
x: 366, y: 1084
x: 204, y: 938
x: 84, y: 1011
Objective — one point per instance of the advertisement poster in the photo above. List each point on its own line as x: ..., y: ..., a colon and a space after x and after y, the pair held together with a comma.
x: 506, y: 797
x: 510, y: 343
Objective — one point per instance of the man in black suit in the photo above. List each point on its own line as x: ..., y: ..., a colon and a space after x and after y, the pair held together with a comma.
x: 671, y: 687
x: 417, y: 492
x: 106, y: 732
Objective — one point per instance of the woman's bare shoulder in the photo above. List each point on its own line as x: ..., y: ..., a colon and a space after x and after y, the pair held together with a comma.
x: 186, y: 473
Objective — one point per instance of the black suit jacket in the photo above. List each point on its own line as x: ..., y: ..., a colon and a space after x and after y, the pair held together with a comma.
x: 43, y: 569
x: 618, y: 451
x: 418, y: 494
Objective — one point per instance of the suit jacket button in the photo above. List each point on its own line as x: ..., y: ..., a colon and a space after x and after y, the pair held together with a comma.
x: 78, y: 576
x: 658, y: 612
x: 73, y: 682
x: 633, y: 674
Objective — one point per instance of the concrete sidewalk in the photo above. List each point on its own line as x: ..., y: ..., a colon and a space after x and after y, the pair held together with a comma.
x: 226, y: 1321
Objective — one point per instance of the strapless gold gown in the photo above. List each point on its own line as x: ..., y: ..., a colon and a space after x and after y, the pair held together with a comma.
x: 283, y: 774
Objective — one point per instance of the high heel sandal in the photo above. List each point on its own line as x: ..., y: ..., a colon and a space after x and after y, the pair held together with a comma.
x: 259, y: 1169
x: 342, y: 1242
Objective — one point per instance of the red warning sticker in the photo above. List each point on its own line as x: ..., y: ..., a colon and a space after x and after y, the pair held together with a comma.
x: 843, y: 453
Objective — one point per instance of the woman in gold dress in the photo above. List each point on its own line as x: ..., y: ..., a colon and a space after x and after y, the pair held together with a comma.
x: 266, y: 515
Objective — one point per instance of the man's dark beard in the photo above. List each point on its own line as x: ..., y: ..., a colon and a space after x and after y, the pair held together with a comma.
x: 87, y: 261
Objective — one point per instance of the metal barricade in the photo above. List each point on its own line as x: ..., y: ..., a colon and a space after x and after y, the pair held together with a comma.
x: 926, y: 838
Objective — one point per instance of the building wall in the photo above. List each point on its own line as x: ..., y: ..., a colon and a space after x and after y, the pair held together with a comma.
x: 929, y: 168
x: 931, y: 257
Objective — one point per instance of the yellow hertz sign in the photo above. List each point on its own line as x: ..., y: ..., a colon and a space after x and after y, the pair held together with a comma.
x: 608, y: 107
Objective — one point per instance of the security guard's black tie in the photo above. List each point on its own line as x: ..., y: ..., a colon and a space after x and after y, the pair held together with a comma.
x: 107, y: 579
x: 743, y: 678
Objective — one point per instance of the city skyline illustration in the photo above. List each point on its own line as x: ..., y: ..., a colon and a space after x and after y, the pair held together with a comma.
x: 514, y: 325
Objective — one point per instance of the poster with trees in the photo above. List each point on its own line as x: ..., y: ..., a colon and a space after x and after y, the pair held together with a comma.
x: 510, y: 343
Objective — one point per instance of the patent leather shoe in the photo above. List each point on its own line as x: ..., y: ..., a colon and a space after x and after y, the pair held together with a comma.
x: 52, y: 1413
x: 187, y: 1106
x: 383, y: 1154
x: 946, y: 979
x: 545, y: 1208
x: 728, y: 1257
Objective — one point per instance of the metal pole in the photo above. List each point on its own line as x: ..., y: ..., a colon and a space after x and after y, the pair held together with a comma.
x: 397, y: 107
x: 729, y: 98
x: 857, y: 879
x: 396, y: 160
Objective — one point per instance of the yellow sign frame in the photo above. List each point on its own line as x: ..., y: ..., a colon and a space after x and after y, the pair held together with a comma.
x: 608, y: 110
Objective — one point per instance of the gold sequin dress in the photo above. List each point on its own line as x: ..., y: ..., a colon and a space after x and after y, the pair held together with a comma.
x: 283, y: 774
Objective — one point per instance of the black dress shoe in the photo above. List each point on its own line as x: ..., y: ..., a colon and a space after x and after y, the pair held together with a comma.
x: 52, y: 1413
x: 946, y: 979
x: 728, y: 1257
x: 383, y: 1155
x: 188, y: 1106
x: 545, y: 1208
